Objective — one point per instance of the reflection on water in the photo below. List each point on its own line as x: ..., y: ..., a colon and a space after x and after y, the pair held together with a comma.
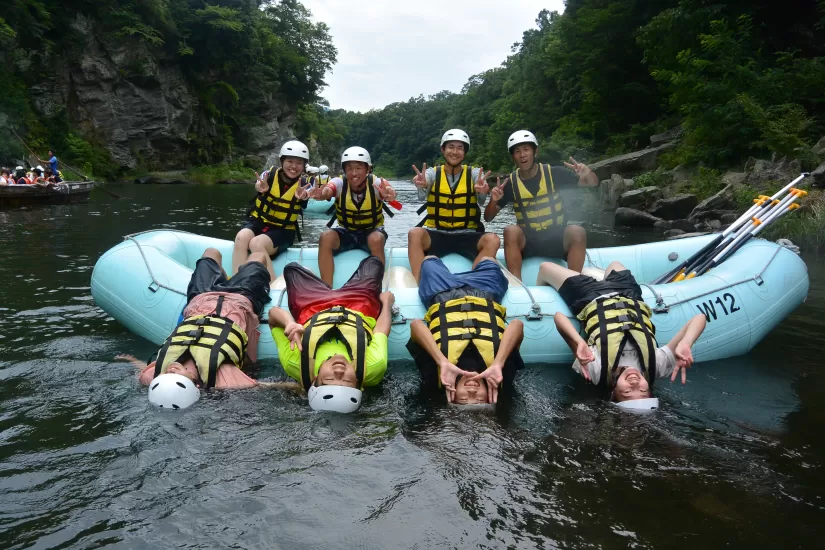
x: 735, y: 457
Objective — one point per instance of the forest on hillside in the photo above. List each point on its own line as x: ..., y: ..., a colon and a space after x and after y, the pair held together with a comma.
x: 742, y: 77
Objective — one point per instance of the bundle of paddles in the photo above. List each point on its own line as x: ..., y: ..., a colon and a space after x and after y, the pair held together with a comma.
x: 332, y: 343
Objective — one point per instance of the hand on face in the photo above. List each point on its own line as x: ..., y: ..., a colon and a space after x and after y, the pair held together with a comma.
x: 494, y: 378
x: 472, y: 392
x: 189, y: 370
x: 449, y: 372
x: 420, y: 179
x: 295, y: 334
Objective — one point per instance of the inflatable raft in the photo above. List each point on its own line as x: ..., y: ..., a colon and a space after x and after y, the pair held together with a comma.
x: 142, y: 282
x: 318, y: 207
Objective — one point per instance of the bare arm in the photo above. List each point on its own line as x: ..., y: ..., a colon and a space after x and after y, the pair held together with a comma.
x: 491, y: 210
x: 567, y: 331
x: 422, y: 336
x: 384, y: 322
x: 510, y: 340
x: 137, y: 363
x: 279, y: 318
x: 689, y: 333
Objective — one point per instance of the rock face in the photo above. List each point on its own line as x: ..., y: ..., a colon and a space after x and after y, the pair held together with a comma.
x: 683, y: 225
x: 139, y: 108
x: 758, y: 172
x: 666, y: 137
x: 634, y: 218
x: 819, y: 175
x: 714, y: 207
x: 640, y: 198
x: 610, y: 190
x: 630, y: 163
x: 676, y: 207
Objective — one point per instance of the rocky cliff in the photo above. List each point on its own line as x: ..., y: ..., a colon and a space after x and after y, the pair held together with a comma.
x: 142, y: 109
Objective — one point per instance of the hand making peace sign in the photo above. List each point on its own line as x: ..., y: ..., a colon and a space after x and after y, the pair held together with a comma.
x: 498, y: 191
x: 482, y: 187
x: 302, y: 193
x: 260, y: 183
x: 386, y: 191
x: 420, y: 179
x: 581, y: 170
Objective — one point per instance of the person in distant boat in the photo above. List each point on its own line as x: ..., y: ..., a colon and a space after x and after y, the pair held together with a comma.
x: 533, y: 188
x: 273, y: 219
x: 619, y: 351
x: 360, y: 200
x: 454, y: 195
x: 5, y: 177
x: 464, y: 343
x: 334, y: 342
x: 20, y: 176
x: 323, y: 175
x: 51, y: 161
x: 219, y: 332
x: 51, y: 177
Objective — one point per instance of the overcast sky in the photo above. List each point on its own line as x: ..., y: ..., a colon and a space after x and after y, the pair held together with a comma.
x: 390, y: 51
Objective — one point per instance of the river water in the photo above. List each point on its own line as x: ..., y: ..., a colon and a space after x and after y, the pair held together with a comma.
x: 734, y: 459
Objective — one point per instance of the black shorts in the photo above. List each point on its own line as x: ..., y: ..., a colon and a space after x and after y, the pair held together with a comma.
x: 464, y: 243
x: 580, y: 290
x: 251, y: 281
x: 281, y: 238
x: 545, y: 243
x: 356, y: 240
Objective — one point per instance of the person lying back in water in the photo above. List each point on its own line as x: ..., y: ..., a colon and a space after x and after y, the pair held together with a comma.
x: 620, y: 352
x: 464, y: 343
x: 334, y: 342
x: 219, y: 332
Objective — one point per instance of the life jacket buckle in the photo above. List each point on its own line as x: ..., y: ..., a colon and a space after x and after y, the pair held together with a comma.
x: 195, y: 334
x: 336, y: 309
x: 200, y: 321
x: 468, y: 323
x: 335, y: 319
x: 467, y: 336
x: 466, y: 306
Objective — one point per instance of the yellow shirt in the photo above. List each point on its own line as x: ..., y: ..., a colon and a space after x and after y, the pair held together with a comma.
x: 375, y: 360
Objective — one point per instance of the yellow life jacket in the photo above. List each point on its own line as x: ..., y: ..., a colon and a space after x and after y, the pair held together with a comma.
x: 611, y: 323
x: 369, y: 215
x: 211, y: 340
x: 449, y: 208
x: 353, y: 331
x: 277, y: 209
x: 456, y: 323
x: 541, y: 211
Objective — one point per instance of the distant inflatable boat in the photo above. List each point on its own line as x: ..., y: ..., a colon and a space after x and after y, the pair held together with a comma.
x: 142, y: 282
x: 318, y: 207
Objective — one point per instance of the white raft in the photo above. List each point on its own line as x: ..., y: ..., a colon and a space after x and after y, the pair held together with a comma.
x: 142, y: 282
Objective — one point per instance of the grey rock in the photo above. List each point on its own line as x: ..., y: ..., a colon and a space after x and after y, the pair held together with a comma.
x: 634, y: 218
x: 155, y: 180
x: 711, y: 206
x: 610, y: 190
x: 666, y: 137
x: 735, y: 178
x: 729, y: 218
x: 714, y: 225
x: 640, y: 198
x: 760, y: 173
x: 630, y: 163
x: 663, y: 225
x: 818, y: 175
x: 675, y: 207
x: 673, y: 233
x: 819, y: 148
x: 684, y: 225
x: 232, y: 182
x: 682, y: 173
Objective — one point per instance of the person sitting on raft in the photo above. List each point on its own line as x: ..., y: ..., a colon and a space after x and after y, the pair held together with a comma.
x: 273, y: 219
x: 359, y: 210
x: 323, y: 175
x: 533, y: 188
x: 454, y: 193
x: 620, y: 351
x: 334, y: 342
x: 219, y: 332
x: 464, y: 343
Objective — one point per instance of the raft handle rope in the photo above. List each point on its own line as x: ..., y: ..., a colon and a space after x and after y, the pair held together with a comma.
x: 535, y: 313
x: 155, y: 283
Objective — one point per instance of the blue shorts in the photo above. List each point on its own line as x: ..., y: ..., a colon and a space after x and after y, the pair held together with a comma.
x: 436, y: 279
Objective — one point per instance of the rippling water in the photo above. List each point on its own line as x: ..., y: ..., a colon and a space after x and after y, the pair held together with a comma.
x: 735, y: 458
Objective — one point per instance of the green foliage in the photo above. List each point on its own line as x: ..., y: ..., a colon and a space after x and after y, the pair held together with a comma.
x: 223, y: 172
x: 656, y: 178
x: 805, y: 226
x: 705, y: 183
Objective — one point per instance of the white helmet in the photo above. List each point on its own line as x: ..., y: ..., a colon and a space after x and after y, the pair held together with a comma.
x: 38, y: 167
x: 19, y: 168
x: 519, y: 137
x: 173, y: 391
x: 456, y: 135
x: 294, y: 149
x: 646, y: 405
x: 341, y: 399
x: 312, y: 169
x: 323, y: 168
x: 356, y: 153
